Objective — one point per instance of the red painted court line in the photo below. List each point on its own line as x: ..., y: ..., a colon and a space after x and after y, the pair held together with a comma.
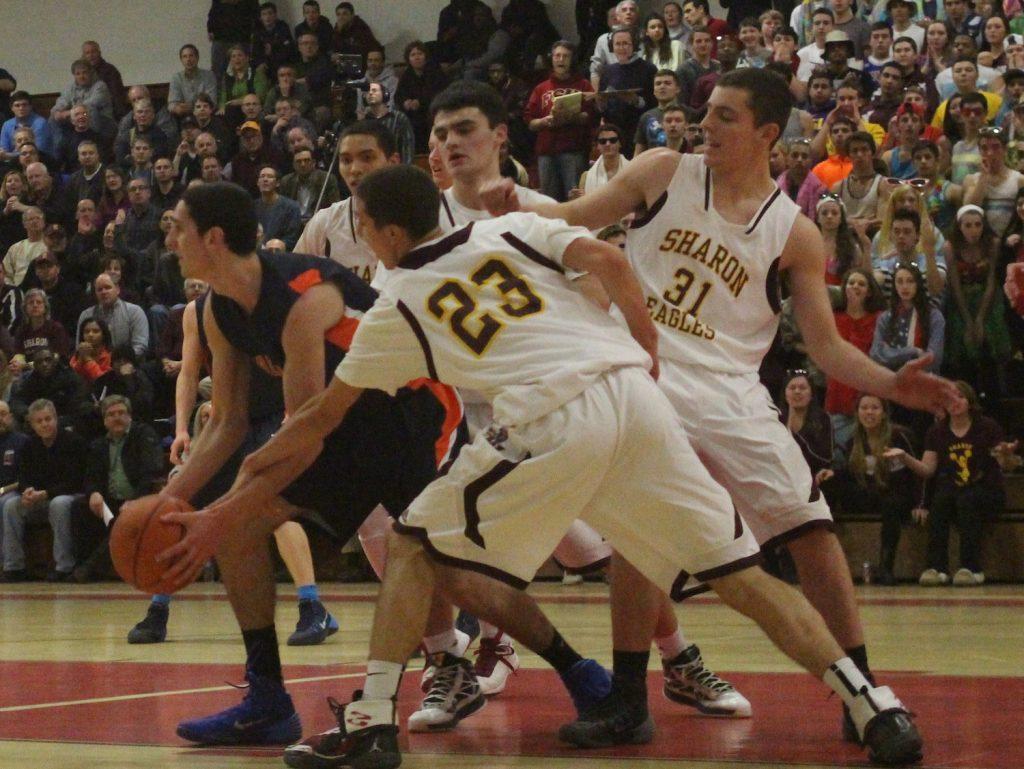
x: 967, y: 722
x: 951, y: 600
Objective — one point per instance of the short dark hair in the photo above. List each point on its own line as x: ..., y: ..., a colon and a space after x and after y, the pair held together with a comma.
x: 224, y: 205
x: 972, y: 60
x: 892, y: 65
x: 205, y: 98
x: 668, y: 73
x: 699, y: 4
x: 311, y: 4
x: 271, y: 6
x: 605, y: 128
x: 187, y: 46
x: 376, y: 129
x: 925, y: 145
x: 346, y: 6
x: 907, y: 215
x: 415, y: 45
x: 905, y: 39
x: 780, y: 68
x: 470, y: 93
x: 750, y: 21
x: 824, y: 11
x: 768, y: 95
x: 567, y: 44
x: 878, y: 26
x: 20, y: 96
x: 402, y: 195
x: 864, y: 138
x: 974, y: 97
x: 786, y: 31
x: 819, y: 74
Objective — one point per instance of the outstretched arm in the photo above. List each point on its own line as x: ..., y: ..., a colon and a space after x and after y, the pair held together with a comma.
x: 638, y: 184
x: 804, y: 260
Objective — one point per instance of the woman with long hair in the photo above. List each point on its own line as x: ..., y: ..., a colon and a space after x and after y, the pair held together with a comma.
x: 115, y: 194
x: 876, y: 478
x: 13, y: 190
x: 856, y: 315
x: 964, y: 455
x: 37, y: 329
x: 657, y: 46
x: 938, y: 52
x: 903, y: 198
x: 952, y: 123
x: 843, y: 247
x: 92, y: 356
x: 809, y: 425
x: 911, y: 327
x: 417, y: 87
x: 993, y: 52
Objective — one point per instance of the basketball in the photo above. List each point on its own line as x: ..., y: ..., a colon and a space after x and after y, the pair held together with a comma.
x: 139, y: 536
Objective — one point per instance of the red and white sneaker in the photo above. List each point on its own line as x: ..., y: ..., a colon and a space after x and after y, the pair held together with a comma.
x: 496, y: 660
x: 462, y: 641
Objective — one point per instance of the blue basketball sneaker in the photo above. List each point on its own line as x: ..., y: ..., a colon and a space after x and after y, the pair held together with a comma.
x: 265, y: 716
x: 314, y: 625
x: 588, y: 684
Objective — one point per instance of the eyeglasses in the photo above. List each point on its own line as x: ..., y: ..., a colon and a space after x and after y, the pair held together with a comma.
x: 918, y: 183
x: 801, y: 140
x: 609, y: 140
x: 795, y: 372
x: 830, y: 196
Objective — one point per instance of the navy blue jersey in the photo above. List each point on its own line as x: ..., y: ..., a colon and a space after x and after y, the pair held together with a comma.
x: 286, y: 277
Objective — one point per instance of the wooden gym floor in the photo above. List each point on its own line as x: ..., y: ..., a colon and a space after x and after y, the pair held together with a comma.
x: 75, y: 695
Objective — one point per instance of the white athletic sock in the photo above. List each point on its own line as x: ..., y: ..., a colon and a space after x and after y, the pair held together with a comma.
x: 671, y: 646
x: 845, y: 679
x: 382, y: 680
x: 487, y: 630
x: 445, y: 641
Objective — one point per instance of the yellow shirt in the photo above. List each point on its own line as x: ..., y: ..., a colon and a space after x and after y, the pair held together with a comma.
x: 994, y: 102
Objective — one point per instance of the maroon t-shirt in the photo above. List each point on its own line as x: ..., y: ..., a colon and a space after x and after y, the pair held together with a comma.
x: 567, y: 138
x: 966, y: 460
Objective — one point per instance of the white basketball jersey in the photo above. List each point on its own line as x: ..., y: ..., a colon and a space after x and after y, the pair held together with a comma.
x: 454, y: 214
x: 712, y: 287
x: 488, y: 308
x: 332, y: 232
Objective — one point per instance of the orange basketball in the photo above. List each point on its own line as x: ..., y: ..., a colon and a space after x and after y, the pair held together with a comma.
x: 139, y: 535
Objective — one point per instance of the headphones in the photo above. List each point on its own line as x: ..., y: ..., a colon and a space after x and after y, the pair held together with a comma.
x: 383, y: 89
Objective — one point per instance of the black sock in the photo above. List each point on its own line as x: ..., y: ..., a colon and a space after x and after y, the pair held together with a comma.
x: 859, y: 655
x: 261, y: 653
x: 559, y: 654
x: 629, y: 671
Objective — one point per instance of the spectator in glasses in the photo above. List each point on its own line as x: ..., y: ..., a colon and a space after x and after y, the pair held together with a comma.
x: 966, y: 158
x: 609, y: 162
x: 965, y: 80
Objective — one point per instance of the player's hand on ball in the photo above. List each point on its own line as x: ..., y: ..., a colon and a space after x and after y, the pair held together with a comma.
x: 204, y: 531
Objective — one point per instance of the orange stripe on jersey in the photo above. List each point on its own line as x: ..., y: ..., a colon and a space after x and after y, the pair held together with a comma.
x: 448, y: 398
x: 305, y: 281
x: 341, y: 333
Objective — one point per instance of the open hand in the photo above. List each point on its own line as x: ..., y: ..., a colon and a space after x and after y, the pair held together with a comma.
x: 918, y: 389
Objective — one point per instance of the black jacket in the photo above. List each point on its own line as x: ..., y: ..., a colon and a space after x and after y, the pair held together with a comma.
x: 57, y: 470
x: 141, y: 456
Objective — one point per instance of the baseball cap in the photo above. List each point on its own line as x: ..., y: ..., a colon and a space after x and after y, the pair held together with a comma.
x: 249, y: 125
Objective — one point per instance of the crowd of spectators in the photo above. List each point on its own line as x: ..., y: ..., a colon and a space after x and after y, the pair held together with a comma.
x: 904, y: 147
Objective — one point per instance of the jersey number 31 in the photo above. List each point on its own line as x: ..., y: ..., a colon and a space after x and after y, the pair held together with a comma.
x: 456, y: 303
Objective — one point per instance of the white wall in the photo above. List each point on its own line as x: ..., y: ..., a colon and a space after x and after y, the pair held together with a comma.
x: 142, y: 37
